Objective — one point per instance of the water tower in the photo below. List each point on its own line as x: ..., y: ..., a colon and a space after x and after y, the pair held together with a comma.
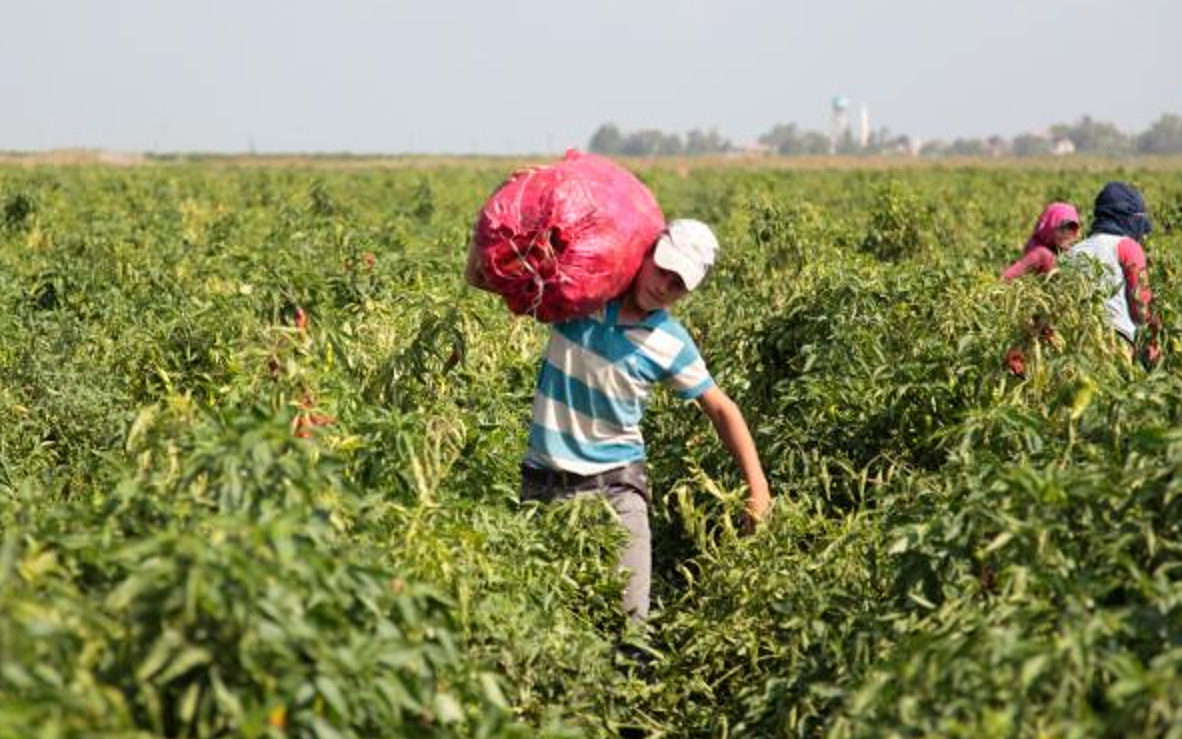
x: 840, y: 124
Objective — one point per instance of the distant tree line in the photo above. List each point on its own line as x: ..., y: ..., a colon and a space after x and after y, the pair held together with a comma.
x: 1085, y: 136
x: 609, y: 139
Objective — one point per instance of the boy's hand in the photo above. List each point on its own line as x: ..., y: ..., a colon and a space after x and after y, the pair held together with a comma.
x: 756, y: 510
x: 736, y: 437
x: 472, y: 271
x: 1152, y: 354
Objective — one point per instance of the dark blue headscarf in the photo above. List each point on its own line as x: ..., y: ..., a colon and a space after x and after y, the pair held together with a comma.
x: 1120, y: 210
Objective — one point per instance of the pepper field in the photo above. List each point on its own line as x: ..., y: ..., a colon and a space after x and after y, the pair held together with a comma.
x: 259, y: 448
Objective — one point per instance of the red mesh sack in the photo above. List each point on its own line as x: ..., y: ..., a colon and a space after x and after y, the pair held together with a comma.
x: 561, y: 240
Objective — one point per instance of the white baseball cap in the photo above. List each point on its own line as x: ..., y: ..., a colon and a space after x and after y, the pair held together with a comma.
x: 686, y: 247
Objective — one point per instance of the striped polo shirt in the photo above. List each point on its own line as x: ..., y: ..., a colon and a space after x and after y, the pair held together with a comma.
x: 594, y: 384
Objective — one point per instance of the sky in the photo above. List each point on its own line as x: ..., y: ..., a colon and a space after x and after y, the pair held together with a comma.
x: 538, y: 76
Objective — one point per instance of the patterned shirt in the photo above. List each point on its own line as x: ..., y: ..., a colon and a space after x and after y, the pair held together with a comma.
x: 594, y: 385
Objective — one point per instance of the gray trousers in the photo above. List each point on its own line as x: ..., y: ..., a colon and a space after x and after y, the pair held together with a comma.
x: 626, y: 491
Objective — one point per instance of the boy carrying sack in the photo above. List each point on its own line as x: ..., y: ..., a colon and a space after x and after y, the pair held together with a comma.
x: 593, y: 387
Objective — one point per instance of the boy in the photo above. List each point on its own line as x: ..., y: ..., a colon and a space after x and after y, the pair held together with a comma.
x: 592, y: 389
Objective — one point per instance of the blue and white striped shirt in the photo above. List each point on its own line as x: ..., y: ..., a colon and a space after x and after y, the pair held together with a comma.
x: 594, y: 384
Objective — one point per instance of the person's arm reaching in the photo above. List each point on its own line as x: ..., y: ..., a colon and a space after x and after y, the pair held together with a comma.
x: 1134, y: 265
x: 1039, y: 260
x: 736, y: 437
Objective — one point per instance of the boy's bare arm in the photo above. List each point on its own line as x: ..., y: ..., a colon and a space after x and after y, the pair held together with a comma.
x: 472, y: 271
x: 732, y: 430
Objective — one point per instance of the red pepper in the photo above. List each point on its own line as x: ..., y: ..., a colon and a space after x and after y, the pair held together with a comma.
x: 1015, y: 362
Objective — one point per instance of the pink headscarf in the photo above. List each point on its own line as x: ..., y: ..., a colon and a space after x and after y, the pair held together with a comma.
x: 1044, y: 230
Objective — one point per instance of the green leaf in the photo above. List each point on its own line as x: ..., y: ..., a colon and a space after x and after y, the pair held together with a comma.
x: 448, y: 709
x: 186, y: 659
x: 492, y: 690
x: 328, y: 688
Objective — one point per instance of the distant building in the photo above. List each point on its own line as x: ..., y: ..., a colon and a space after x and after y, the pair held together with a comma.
x: 1062, y: 147
x: 997, y: 146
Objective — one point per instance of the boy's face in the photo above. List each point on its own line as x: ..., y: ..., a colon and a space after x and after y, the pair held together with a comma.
x: 656, y: 287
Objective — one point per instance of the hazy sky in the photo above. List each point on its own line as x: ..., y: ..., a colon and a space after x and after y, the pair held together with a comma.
x: 512, y: 76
